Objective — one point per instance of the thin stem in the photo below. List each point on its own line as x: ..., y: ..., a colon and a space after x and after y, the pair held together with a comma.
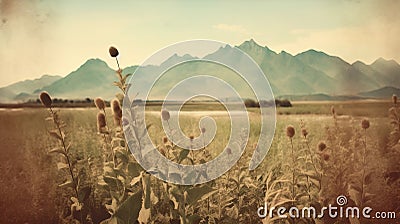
x: 75, y: 185
x: 65, y: 150
x: 312, y: 162
x: 363, y: 164
x: 117, y: 63
x: 293, y: 170
x: 170, y: 131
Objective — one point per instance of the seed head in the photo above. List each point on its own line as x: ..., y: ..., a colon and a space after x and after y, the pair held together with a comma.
x: 191, y: 137
x: 115, y: 106
x: 229, y: 151
x: 321, y: 146
x: 365, y: 124
x: 304, y: 132
x: 333, y: 110
x: 165, y: 139
x: 163, y: 151
x: 394, y: 98
x: 100, y: 104
x: 45, y: 99
x: 165, y: 115
x: 290, y: 131
x: 113, y: 52
x: 203, y: 130
x: 101, y: 122
x: 117, y: 112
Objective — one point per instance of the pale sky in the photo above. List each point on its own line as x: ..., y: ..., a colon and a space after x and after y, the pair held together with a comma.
x: 56, y: 37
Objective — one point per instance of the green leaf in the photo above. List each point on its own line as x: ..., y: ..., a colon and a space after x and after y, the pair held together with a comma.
x: 57, y: 150
x: 146, y: 188
x: 61, y: 166
x: 194, y: 219
x: 368, y: 178
x: 66, y: 184
x: 83, y: 193
x: 136, y: 180
x: 183, y: 155
x: 355, y: 196
x: 55, y: 134
x: 199, y: 193
x: 129, y: 210
x: 134, y: 169
x: 112, y: 182
x: 117, y: 84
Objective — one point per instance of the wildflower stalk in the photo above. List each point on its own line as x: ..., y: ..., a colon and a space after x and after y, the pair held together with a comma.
x: 57, y: 123
x: 293, y: 170
x: 365, y: 126
x: 290, y: 133
x: 312, y: 161
x: 59, y: 134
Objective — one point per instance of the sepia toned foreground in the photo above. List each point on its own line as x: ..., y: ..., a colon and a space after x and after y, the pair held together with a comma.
x: 313, y: 160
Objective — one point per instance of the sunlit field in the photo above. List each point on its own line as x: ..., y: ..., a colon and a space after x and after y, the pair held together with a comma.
x: 357, y: 161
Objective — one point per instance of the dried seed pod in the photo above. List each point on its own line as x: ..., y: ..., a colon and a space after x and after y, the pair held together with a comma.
x: 165, y: 139
x: 101, y: 122
x: 229, y: 151
x: 191, y: 137
x: 365, y: 123
x: 117, y: 112
x: 165, y: 115
x: 290, y: 131
x: 100, y: 104
x: 203, y: 130
x: 304, y: 132
x: 333, y: 110
x: 45, y: 99
x: 321, y: 146
x: 113, y: 52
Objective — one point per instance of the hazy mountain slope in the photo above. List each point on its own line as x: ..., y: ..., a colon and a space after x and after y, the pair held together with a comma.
x: 347, y: 77
x: 306, y: 74
x: 94, y: 78
x: 26, y: 87
x: 390, y: 70
x: 290, y: 75
x: 29, y: 86
x: 385, y: 92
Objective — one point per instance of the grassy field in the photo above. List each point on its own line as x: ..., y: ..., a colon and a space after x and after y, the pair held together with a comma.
x: 29, y: 181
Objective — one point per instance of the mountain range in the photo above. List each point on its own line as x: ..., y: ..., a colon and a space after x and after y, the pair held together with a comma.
x: 311, y: 73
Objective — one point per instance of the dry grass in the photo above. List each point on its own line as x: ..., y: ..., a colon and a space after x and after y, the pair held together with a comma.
x: 29, y: 174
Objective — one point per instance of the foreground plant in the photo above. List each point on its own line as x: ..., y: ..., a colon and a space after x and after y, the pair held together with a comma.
x: 74, y: 181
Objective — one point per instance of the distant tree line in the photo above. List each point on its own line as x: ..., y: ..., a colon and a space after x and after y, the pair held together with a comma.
x: 265, y: 103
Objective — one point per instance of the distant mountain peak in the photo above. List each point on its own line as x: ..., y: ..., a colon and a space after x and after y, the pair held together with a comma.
x: 358, y: 63
x: 175, y: 58
x: 250, y: 43
x: 284, y: 53
x: 95, y: 61
x: 383, y: 61
x: 313, y: 52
